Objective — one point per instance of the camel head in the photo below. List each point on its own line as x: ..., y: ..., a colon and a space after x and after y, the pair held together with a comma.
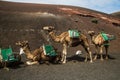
x: 22, y: 43
x: 48, y: 28
x: 91, y: 33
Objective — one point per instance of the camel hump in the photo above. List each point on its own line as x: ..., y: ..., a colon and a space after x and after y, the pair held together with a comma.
x: 74, y: 33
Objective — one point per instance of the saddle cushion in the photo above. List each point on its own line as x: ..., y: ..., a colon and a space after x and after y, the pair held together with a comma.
x: 49, y: 50
x: 7, y: 55
x: 105, y: 37
x: 74, y: 33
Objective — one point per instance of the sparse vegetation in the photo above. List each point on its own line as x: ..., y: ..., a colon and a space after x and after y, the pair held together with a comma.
x: 94, y: 20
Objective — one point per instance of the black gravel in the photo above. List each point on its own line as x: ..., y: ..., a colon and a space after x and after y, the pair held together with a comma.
x: 72, y: 70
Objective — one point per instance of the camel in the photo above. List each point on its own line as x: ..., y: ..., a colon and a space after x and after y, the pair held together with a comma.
x: 37, y: 55
x: 67, y: 41
x: 100, y: 42
x: 0, y: 60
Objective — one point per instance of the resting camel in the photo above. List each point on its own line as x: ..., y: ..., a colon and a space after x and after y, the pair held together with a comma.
x: 0, y: 59
x: 99, y: 43
x: 66, y: 41
x: 37, y: 55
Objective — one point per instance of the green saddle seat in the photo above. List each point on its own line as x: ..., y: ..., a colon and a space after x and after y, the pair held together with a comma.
x: 105, y: 37
x: 7, y: 55
x: 74, y: 33
x: 49, y: 50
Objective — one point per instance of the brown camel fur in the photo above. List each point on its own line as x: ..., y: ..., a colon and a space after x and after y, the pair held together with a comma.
x: 37, y: 55
x: 66, y: 41
x: 99, y: 43
x: 0, y: 60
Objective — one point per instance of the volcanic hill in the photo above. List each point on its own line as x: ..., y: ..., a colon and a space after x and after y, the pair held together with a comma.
x: 24, y: 21
x: 117, y: 14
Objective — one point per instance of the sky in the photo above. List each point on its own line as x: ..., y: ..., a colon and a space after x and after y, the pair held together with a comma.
x: 106, y: 6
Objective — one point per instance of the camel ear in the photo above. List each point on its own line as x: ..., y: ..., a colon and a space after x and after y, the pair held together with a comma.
x: 48, y: 27
x: 45, y: 28
x: 88, y: 32
x: 26, y: 41
x: 17, y: 43
x: 91, y: 32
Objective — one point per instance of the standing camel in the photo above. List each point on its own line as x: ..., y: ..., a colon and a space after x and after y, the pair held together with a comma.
x: 37, y: 55
x: 66, y: 41
x: 101, y: 40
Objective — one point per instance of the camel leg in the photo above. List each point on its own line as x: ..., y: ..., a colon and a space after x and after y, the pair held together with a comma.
x: 106, y: 49
x: 101, y: 53
x: 64, y: 54
x: 87, y: 49
x: 62, y: 59
x: 31, y: 63
x: 97, y: 52
x: 5, y: 66
x: 86, y: 57
x: 90, y: 54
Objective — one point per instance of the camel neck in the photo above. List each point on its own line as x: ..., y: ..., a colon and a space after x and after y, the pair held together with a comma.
x: 54, y: 37
x: 28, y: 53
x: 92, y: 38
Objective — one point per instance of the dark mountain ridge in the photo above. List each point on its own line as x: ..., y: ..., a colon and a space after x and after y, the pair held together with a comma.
x: 116, y: 14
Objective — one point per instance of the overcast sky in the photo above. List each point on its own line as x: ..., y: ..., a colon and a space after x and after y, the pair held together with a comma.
x: 106, y: 6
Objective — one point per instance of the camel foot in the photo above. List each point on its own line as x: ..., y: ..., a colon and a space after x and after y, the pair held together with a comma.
x: 28, y: 63
x: 102, y: 59
x: 106, y: 58
x: 85, y: 60
x: 6, y: 68
x: 91, y: 61
x: 63, y: 62
x: 31, y: 63
x: 46, y: 62
x: 95, y: 58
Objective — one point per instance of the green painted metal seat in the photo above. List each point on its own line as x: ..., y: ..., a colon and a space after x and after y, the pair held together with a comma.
x: 49, y: 50
x: 74, y: 33
x: 7, y: 55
